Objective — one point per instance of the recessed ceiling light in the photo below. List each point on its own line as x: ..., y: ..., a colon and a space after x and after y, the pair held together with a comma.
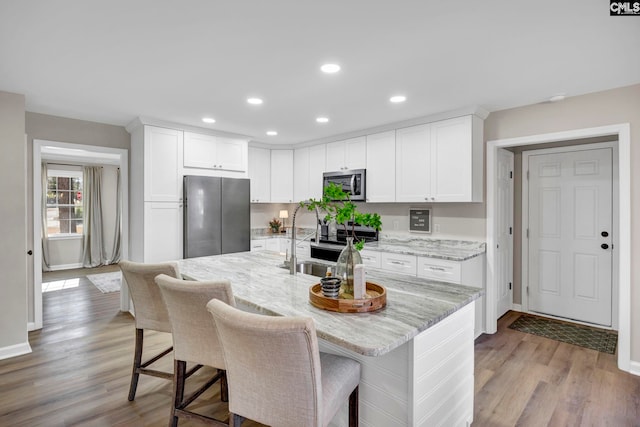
x: 208, y: 120
x: 330, y: 68
x: 322, y: 119
x: 398, y: 98
x: 254, y: 101
x: 272, y: 133
x: 558, y: 97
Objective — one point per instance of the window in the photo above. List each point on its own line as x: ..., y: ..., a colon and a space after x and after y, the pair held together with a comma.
x: 64, y: 203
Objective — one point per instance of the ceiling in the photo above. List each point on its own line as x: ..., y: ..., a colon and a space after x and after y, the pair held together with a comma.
x: 179, y: 61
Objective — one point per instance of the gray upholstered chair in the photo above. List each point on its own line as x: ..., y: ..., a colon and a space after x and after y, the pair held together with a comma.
x: 150, y: 313
x: 276, y: 374
x: 194, y: 338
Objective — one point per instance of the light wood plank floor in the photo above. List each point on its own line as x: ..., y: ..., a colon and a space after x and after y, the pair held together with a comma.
x: 79, y: 372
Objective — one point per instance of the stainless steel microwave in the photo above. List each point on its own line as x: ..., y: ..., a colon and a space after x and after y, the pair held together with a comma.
x: 352, y: 182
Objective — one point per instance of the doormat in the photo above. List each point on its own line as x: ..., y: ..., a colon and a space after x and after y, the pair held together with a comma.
x: 106, y: 282
x: 583, y: 336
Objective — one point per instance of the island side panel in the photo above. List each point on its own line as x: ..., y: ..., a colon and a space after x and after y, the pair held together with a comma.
x: 441, y: 372
x: 428, y: 381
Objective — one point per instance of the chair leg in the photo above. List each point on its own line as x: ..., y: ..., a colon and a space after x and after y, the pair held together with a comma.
x: 179, y: 374
x: 224, y: 387
x: 235, y: 420
x: 353, y: 408
x: 137, y: 361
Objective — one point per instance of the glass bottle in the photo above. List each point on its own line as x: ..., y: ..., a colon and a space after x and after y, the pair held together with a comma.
x: 344, y: 266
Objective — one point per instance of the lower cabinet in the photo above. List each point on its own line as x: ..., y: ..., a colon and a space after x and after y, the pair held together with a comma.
x: 398, y: 263
x: 162, y: 231
x: 257, y: 245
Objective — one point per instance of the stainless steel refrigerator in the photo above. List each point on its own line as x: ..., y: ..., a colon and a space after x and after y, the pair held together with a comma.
x: 216, y: 216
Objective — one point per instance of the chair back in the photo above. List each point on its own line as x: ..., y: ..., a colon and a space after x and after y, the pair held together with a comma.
x: 149, y: 308
x: 194, y: 332
x: 273, y: 366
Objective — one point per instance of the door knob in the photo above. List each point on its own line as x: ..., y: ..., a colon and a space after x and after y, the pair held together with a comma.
x: 604, y: 246
x: 604, y: 234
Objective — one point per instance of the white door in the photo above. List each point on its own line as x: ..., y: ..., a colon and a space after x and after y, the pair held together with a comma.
x: 504, y: 231
x: 570, y: 226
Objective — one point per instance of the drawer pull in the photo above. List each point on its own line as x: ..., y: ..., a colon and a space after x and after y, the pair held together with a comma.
x: 397, y: 262
x: 438, y: 268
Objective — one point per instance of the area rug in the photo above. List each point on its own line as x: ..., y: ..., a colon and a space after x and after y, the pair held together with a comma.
x: 106, y: 282
x: 583, y: 336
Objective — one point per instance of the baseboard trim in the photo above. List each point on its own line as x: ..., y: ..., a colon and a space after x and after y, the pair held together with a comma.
x: 634, y: 368
x: 516, y: 307
x: 14, y: 350
x: 65, y: 267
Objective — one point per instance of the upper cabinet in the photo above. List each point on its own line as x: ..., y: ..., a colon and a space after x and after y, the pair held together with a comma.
x: 347, y: 154
x: 308, y: 166
x: 281, y: 176
x: 317, y: 166
x: 440, y: 161
x: 162, y: 164
x: 260, y: 174
x: 214, y: 152
x: 381, y: 167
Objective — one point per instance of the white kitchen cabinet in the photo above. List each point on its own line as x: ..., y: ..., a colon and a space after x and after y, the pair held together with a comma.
x: 161, y: 151
x: 162, y: 231
x: 260, y: 174
x: 371, y: 258
x: 301, y: 189
x: 214, y: 152
x: 347, y: 154
x: 413, y: 158
x: 398, y: 263
x: 258, y: 245
x: 381, y: 167
x: 282, y: 176
x: 317, y: 165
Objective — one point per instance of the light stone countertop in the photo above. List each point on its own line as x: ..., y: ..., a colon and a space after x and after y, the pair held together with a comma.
x: 413, y: 304
x: 453, y: 250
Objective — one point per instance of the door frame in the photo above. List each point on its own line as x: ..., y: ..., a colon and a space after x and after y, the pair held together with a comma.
x: 510, y: 223
x: 620, y: 131
x: 524, y: 280
x: 123, y: 164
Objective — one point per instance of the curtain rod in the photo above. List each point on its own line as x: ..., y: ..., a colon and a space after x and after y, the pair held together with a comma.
x: 71, y: 164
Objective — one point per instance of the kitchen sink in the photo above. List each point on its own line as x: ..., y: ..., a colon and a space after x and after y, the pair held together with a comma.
x: 309, y: 267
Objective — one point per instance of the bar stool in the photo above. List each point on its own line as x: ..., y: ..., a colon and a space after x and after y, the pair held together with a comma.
x: 194, y: 338
x: 277, y: 375
x: 150, y: 313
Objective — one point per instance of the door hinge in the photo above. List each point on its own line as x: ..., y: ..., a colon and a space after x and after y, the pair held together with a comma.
x: 511, y: 174
x: 527, y: 233
x: 510, y: 230
x: 527, y: 174
x: 509, y: 285
x: 527, y: 291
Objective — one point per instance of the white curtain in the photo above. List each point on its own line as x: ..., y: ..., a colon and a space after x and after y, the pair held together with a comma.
x: 45, y: 232
x: 116, y: 251
x: 93, y: 254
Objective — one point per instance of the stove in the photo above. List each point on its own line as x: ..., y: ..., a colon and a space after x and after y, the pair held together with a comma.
x: 329, y: 248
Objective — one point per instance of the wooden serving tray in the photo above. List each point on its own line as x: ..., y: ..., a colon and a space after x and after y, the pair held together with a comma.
x: 377, y: 299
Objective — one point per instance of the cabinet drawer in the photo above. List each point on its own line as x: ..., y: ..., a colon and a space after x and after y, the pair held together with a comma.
x: 399, y: 263
x: 371, y: 258
x: 439, y: 269
x: 257, y: 245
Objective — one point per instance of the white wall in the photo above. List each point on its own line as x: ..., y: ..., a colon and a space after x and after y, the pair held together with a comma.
x: 13, y: 227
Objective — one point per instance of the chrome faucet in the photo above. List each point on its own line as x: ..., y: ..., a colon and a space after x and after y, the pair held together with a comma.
x: 292, y: 257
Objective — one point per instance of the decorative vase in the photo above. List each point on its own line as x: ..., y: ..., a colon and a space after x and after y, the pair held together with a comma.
x: 349, y: 257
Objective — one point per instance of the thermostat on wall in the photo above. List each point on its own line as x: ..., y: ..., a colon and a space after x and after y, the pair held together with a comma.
x: 420, y: 220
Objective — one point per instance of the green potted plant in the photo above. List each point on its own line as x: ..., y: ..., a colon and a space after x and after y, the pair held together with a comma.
x: 275, y: 225
x: 338, y: 206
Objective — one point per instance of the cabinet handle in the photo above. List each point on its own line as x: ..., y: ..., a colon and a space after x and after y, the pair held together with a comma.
x: 397, y: 262
x: 426, y: 198
x: 437, y: 268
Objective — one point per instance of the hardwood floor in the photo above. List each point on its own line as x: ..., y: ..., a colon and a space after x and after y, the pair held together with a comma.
x: 78, y: 374
x: 527, y: 380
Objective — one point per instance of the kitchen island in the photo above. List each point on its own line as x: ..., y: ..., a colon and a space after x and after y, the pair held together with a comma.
x: 416, y: 353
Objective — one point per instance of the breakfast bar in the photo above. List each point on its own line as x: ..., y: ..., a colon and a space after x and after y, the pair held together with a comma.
x: 416, y: 353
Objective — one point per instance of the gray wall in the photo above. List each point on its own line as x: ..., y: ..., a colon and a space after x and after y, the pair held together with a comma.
x: 13, y: 226
x: 60, y: 129
x: 614, y: 106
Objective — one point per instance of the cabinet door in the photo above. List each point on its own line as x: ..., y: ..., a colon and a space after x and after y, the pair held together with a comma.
x: 317, y: 158
x: 231, y: 154
x: 162, y: 231
x: 301, y: 174
x: 398, y: 263
x: 381, y: 167
x: 451, y: 166
x: 258, y: 245
x: 282, y: 176
x: 355, y: 153
x: 273, y: 244
x: 335, y: 156
x: 413, y: 158
x: 162, y: 164
x: 199, y: 151
x: 260, y: 174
